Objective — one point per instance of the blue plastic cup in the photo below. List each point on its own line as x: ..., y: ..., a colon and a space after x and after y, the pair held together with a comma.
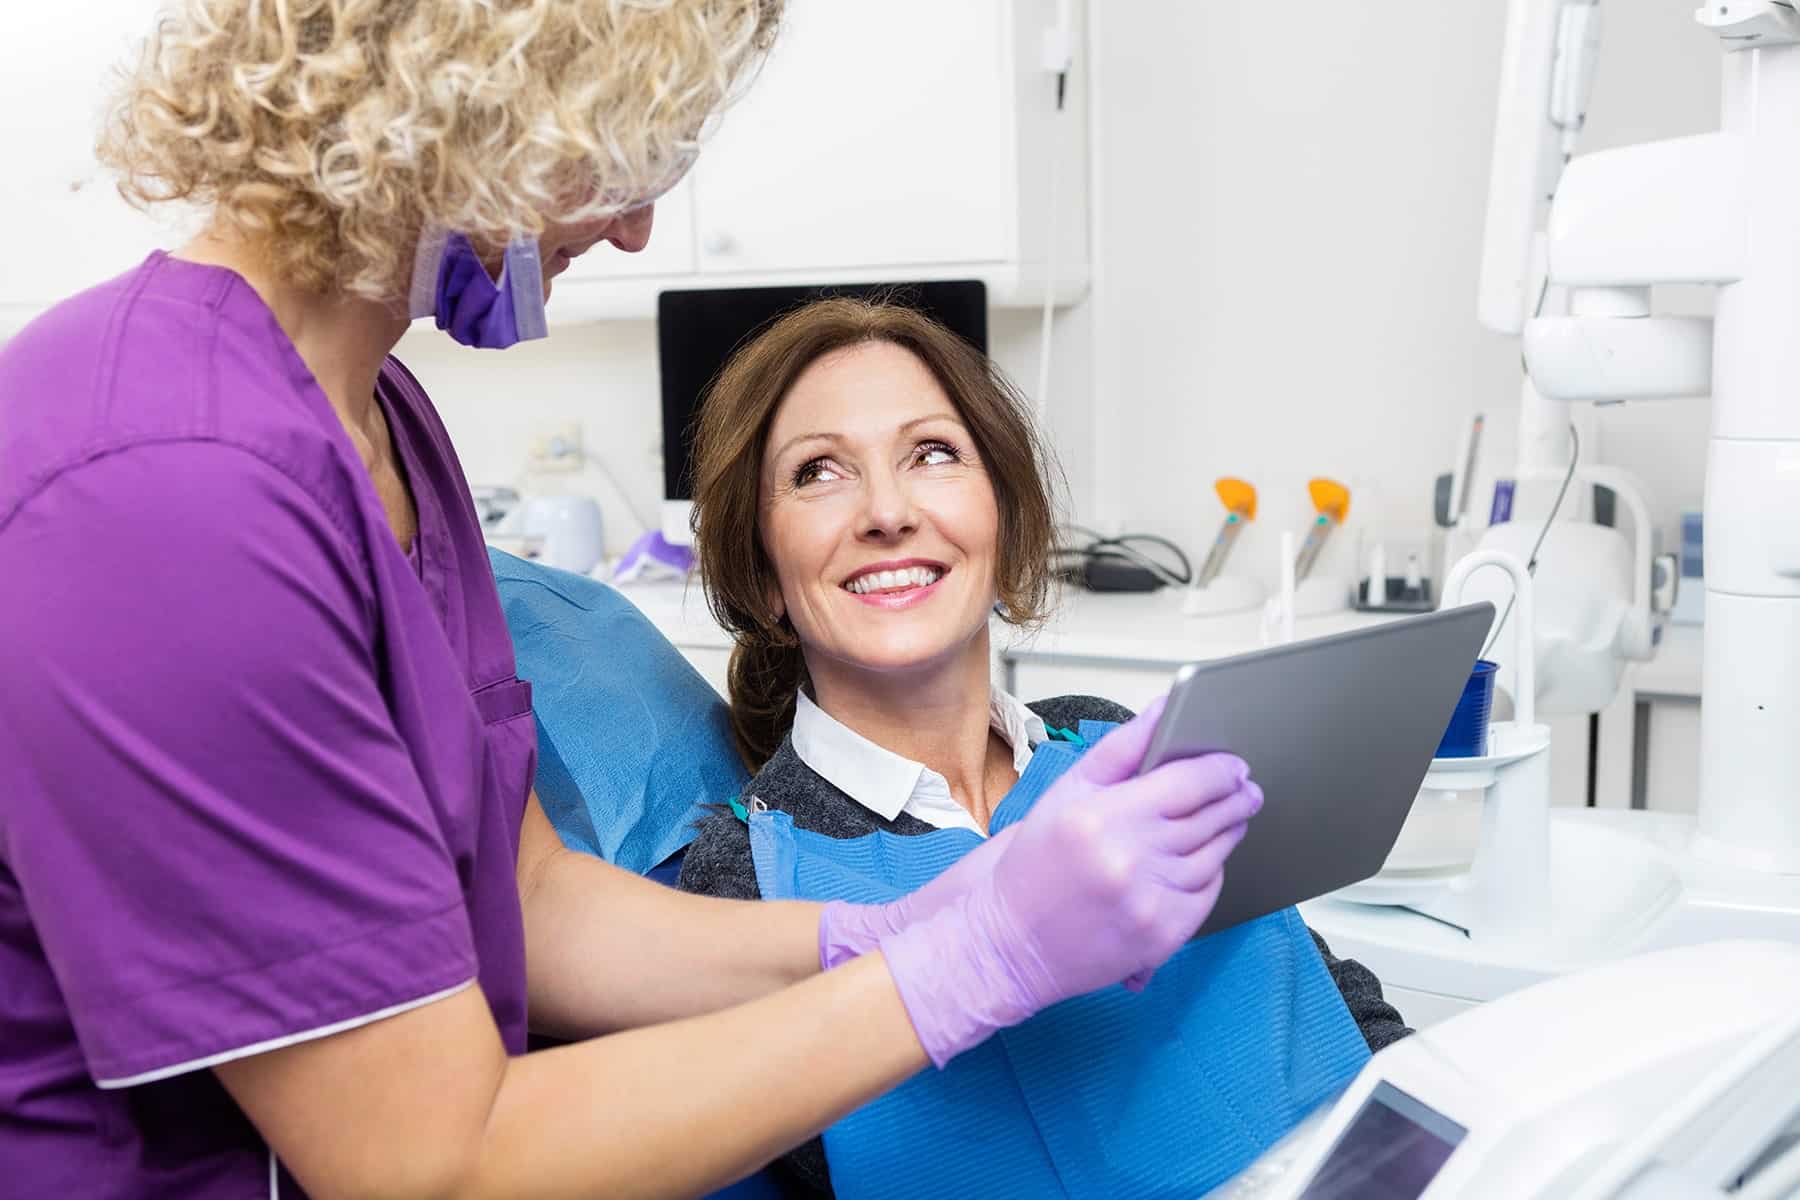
x: 1467, y: 736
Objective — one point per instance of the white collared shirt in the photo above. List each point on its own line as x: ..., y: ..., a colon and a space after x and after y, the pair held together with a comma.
x: 888, y: 784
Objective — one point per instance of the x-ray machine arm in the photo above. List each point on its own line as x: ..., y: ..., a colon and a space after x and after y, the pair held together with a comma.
x: 1722, y: 209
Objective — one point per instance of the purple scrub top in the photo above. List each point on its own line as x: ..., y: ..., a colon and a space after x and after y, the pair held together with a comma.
x: 261, y: 778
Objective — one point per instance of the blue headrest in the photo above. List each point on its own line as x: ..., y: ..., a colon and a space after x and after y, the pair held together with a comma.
x: 631, y: 740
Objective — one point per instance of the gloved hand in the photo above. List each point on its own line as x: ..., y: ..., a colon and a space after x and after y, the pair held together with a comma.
x: 847, y: 930
x: 1106, y: 878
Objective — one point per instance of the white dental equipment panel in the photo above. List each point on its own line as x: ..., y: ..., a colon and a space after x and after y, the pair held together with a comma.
x: 1673, y: 1070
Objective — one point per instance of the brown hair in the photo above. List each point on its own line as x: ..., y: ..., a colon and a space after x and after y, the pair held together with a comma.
x: 767, y: 668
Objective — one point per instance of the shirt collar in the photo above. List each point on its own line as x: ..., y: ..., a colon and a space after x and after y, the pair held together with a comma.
x: 888, y: 784
x: 1022, y: 728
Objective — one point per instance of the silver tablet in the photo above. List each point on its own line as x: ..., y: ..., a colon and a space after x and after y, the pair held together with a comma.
x: 1339, y: 732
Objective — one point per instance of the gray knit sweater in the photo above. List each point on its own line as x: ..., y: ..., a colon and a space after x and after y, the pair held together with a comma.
x: 718, y: 863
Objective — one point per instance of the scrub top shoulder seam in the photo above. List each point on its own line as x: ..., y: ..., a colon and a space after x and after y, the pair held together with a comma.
x: 95, y: 454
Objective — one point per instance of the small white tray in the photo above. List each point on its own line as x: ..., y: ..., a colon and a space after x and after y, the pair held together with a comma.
x: 1507, y: 744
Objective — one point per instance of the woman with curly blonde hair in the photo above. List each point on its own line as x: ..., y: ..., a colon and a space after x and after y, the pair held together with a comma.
x: 278, y: 906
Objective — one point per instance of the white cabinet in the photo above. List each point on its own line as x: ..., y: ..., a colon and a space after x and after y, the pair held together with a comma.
x: 881, y: 140
x: 878, y: 135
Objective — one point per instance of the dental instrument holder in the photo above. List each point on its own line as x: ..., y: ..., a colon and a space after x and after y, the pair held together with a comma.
x: 1397, y: 574
x: 1278, y: 613
x: 1317, y: 595
x: 1503, y: 899
x: 1296, y: 597
x: 1225, y: 594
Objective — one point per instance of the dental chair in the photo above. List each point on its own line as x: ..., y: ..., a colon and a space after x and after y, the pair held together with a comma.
x: 626, y: 756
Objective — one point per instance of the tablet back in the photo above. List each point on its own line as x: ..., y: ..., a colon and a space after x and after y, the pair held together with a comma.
x: 1339, y: 732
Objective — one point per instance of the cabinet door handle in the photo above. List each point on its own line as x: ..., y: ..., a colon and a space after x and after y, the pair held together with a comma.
x: 719, y: 242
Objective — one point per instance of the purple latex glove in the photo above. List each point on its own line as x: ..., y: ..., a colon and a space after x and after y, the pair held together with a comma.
x: 847, y: 930
x: 1107, y: 877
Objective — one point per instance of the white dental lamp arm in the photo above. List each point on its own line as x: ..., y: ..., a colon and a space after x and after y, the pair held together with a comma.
x: 1546, y: 74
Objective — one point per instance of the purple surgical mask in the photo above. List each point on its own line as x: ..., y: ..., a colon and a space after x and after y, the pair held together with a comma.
x: 450, y: 284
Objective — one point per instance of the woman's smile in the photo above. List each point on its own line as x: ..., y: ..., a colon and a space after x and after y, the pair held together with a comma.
x: 896, y: 585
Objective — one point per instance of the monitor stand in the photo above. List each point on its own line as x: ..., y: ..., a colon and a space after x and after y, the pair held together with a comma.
x: 677, y: 529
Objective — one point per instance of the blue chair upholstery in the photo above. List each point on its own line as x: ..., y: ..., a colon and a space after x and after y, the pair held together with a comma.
x: 632, y: 742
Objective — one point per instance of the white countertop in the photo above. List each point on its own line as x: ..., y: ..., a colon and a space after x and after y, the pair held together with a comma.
x: 679, y: 610
x: 1149, y: 628
x: 1146, y: 627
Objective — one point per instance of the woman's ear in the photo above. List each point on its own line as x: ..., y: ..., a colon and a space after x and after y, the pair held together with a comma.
x: 776, y: 601
x: 784, y: 629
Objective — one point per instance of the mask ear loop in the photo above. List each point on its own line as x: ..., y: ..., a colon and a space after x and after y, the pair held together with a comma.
x: 524, y: 275
x: 428, y: 261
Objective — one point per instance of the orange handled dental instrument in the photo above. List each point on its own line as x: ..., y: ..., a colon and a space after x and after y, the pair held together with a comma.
x: 1239, y: 499
x: 1331, y: 504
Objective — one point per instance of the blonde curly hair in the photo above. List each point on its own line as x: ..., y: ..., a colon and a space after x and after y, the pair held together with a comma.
x: 333, y: 131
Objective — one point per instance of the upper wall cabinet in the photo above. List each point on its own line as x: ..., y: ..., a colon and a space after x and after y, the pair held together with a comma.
x: 878, y: 135
x: 882, y: 139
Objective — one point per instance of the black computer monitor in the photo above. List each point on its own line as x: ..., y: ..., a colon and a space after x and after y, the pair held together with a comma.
x: 698, y: 330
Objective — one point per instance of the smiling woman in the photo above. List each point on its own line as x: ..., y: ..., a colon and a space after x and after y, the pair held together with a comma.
x: 851, y: 442
x: 868, y: 490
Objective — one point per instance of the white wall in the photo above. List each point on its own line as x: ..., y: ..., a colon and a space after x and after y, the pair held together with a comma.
x: 1290, y: 231
x: 603, y: 377
x: 1289, y: 218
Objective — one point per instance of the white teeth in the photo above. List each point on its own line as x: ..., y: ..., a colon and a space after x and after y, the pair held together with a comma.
x: 889, y: 581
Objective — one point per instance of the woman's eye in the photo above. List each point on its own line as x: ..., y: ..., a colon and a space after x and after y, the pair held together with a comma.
x: 815, y: 470
x: 937, y: 454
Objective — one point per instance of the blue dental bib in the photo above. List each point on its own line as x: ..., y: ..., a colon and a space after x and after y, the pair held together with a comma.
x: 1167, y: 1093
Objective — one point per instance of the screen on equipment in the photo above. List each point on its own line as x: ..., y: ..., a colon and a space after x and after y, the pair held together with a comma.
x: 697, y: 331
x: 1391, y: 1150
